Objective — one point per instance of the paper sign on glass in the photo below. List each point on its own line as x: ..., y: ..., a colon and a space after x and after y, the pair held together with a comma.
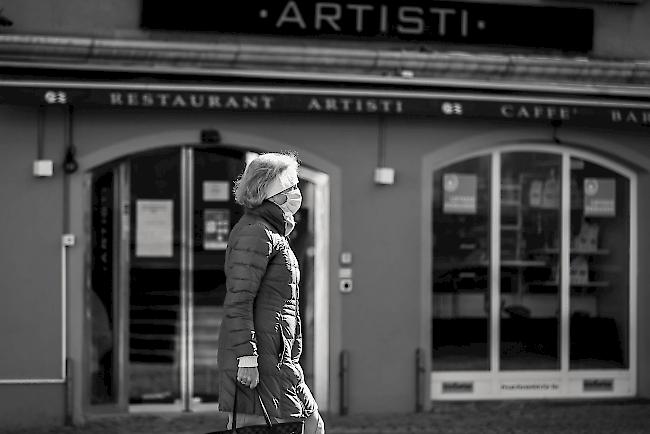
x: 216, y: 227
x: 154, y: 228
x: 459, y: 193
x: 216, y: 191
x: 600, y: 197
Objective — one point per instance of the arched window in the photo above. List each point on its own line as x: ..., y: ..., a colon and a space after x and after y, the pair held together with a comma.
x: 532, y: 253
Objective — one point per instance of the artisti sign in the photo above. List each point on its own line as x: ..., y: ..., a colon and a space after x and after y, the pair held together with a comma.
x: 529, y: 108
x: 568, y: 29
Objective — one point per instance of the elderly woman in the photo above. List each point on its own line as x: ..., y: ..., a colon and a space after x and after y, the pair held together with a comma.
x: 261, y: 340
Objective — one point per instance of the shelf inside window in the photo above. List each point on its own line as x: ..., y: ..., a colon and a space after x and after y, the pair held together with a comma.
x: 573, y: 252
x: 593, y: 284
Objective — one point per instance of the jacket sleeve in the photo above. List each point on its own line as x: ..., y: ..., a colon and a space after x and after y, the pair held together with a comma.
x: 248, y: 257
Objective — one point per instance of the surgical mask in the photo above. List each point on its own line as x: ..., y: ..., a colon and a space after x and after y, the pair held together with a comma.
x: 289, y: 208
x: 293, y: 202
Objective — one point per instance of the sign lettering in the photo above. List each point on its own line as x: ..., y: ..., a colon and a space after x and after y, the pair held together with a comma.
x: 191, y: 100
x: 325, y: 101
x: 411, y: 20
x: 641, y: 117
x: 528, y: 387
x: 531, y: 111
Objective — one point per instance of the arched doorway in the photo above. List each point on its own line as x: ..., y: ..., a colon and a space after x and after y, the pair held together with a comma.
x: 533, y: 256
x: 159, y: 223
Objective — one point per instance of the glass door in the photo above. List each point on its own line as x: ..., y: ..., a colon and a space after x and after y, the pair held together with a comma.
x: 156, y: 314
x: 211, y: 213
x: 160, y: 223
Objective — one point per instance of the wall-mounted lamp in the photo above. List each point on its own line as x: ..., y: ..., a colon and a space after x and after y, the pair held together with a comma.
x: 4, y: 21
x: 384, y: 175
x: 41, y: 167
x: 70, y: 164
x: 210, y: 136
x: 556, y: 124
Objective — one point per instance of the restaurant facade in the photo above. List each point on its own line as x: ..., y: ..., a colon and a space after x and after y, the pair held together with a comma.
x: 473, y: 216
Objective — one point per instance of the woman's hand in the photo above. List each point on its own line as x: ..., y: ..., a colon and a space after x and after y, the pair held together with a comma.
x: 248, y: 377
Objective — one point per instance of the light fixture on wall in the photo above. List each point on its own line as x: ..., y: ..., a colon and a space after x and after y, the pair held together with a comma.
x: 383, y: 175
x: 41, y: 167
x: 556, y: 124
x: 210, y: 135
x: 4, y: 21
x: 70, y: 164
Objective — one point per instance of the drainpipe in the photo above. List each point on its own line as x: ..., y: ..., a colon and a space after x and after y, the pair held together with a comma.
x: 344, y: 382
x: 419, y: 380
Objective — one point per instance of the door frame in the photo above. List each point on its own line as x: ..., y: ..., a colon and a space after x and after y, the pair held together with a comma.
x: 486, y: 384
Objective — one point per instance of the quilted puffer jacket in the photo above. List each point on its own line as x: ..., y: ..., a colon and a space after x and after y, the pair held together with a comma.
x: 261, y: 318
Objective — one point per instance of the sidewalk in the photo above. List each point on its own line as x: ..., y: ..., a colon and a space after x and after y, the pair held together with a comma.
x: 512, y: 417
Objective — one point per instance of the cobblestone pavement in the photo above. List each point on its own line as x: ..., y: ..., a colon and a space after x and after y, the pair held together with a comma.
x: 502, y: 417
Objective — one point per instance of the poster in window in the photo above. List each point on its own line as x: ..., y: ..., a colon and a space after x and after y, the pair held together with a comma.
x: 459, y: 193
x: 600, y: 197
x: 216, y: 227
x: 154, y: 228
x: 216, y: 191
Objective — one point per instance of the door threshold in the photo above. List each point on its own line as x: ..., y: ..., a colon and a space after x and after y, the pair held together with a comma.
x: 173, y: 408
x: 156, y: 408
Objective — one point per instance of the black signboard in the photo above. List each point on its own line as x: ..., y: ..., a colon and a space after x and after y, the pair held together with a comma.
x: 566, y: 29
x: 523, y: 108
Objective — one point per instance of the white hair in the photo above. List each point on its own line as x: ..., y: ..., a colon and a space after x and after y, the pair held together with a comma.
x: 251, y: 187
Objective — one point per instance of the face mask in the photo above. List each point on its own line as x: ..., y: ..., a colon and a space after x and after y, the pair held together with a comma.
x: 293, y: 202
x: 289, y: 208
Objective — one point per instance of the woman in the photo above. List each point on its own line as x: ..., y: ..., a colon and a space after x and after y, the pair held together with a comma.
x: 261, y: 339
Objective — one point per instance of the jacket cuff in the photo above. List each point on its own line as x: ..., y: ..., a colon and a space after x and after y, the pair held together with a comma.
x: 247, y: 362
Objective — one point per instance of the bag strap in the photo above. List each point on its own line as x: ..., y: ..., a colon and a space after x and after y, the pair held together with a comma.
x: 234, y: 409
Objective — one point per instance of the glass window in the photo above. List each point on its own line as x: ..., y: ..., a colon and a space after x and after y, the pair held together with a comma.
x: 530, y: 245
x: 530, y: 271
x: 600, y: 255
x: 101, y: 296
x: 461, y: 247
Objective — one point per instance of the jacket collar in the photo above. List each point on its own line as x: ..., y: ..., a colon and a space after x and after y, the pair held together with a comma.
x: 271, y: 213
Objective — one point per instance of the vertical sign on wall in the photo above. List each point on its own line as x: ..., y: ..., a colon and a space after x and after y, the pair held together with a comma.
x: 600, y: 197
x: 459, y: 193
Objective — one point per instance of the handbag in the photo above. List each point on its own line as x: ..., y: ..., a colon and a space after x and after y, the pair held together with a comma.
x: 293, y: 427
